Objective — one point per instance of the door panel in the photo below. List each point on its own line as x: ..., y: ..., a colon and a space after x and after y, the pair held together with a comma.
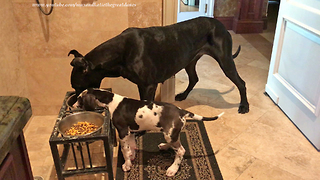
x: 294, y: 74
x: 293, y: 67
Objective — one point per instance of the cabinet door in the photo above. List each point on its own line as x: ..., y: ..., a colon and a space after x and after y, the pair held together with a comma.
x: 16, y: 165
x: 7, y: 169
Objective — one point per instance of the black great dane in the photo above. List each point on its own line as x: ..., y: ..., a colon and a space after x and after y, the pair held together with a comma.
x: 148, y: 56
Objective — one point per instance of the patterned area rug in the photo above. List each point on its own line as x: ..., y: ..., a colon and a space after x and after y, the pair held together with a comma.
x: 199, y: 161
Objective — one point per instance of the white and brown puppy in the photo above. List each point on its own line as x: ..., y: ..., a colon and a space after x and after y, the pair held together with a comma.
x: 130, y: 115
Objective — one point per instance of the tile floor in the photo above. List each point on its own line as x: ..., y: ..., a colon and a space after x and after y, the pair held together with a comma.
x: 263, y: 144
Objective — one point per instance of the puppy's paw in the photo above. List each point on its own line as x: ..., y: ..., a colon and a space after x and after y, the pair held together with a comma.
x: 163, y: 146
x: 172, y: 170
x: 126, y: 166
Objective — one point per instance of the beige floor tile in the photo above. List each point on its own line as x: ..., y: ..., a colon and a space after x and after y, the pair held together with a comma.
x: 268, y: 36
x: 260, y: 170
x: 289, y: 152
x: 229, y: 126
x: 263, y: 64
x: 234, y: 161
x: 276, y: 119
x: 262, y: 101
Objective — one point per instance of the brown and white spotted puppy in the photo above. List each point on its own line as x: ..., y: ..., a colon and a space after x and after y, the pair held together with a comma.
x: 130, y: 115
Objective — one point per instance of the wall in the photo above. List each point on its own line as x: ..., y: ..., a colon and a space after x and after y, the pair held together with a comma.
x: 44, y: 42
x: 225, y: 8
x: 12, y: 74
x: 35, y: 47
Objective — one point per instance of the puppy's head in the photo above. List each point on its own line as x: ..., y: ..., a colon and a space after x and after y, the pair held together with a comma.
x: 88, y: 100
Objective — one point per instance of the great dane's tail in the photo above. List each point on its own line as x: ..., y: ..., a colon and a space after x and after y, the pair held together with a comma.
x: 237, y: 53
x: 201, y: 118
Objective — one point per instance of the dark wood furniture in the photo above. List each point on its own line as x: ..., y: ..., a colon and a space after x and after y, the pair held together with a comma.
x: 14, y: 115
x: 248, y: 17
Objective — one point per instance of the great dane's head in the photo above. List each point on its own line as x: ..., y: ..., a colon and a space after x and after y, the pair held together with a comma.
x: 83, y: 75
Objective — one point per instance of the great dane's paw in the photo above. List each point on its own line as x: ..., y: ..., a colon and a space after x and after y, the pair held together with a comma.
x: 243, y: 108
x: 172, y: 170
x: 126, y: 166
x: 163, y: 146
x: 180, y: 97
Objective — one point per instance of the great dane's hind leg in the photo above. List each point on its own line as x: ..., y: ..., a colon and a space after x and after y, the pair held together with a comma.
x: 221, y: 50
x: 193, y: 79
x: 230, y: 71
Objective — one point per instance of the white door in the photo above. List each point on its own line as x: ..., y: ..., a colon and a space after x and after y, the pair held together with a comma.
x: 189, y: 9
x: 294, y: 74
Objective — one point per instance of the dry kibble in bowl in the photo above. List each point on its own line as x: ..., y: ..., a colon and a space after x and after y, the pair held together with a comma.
x: 81, y: 128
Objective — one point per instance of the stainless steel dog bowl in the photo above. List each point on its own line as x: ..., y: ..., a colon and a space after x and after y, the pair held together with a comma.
x: 92, y: 117
x: 71, y: 101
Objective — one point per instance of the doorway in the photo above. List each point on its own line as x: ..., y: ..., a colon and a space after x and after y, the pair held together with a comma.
x: 189, y: 9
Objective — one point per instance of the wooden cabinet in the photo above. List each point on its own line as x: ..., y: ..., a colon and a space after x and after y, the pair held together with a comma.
x: 7, y: 169
x: 16, y: 164
x: 14, y: 161
x: 248, y: 17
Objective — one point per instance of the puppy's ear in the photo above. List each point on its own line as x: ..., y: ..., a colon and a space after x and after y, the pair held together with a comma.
x: 75, y: 53
x: 100, y: 104
x: 89, y: 102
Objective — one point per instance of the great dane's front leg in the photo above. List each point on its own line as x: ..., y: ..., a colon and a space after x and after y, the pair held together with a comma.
x: 147, y: 92
x: 127, y: 153
x: 193, y: 79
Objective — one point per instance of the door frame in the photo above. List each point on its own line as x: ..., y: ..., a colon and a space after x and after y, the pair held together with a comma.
x: 169, y: 12
x: 169, y: 16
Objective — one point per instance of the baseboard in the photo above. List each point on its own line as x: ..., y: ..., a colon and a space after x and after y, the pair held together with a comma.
x: 226, y: 21
x: 247, y: 26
